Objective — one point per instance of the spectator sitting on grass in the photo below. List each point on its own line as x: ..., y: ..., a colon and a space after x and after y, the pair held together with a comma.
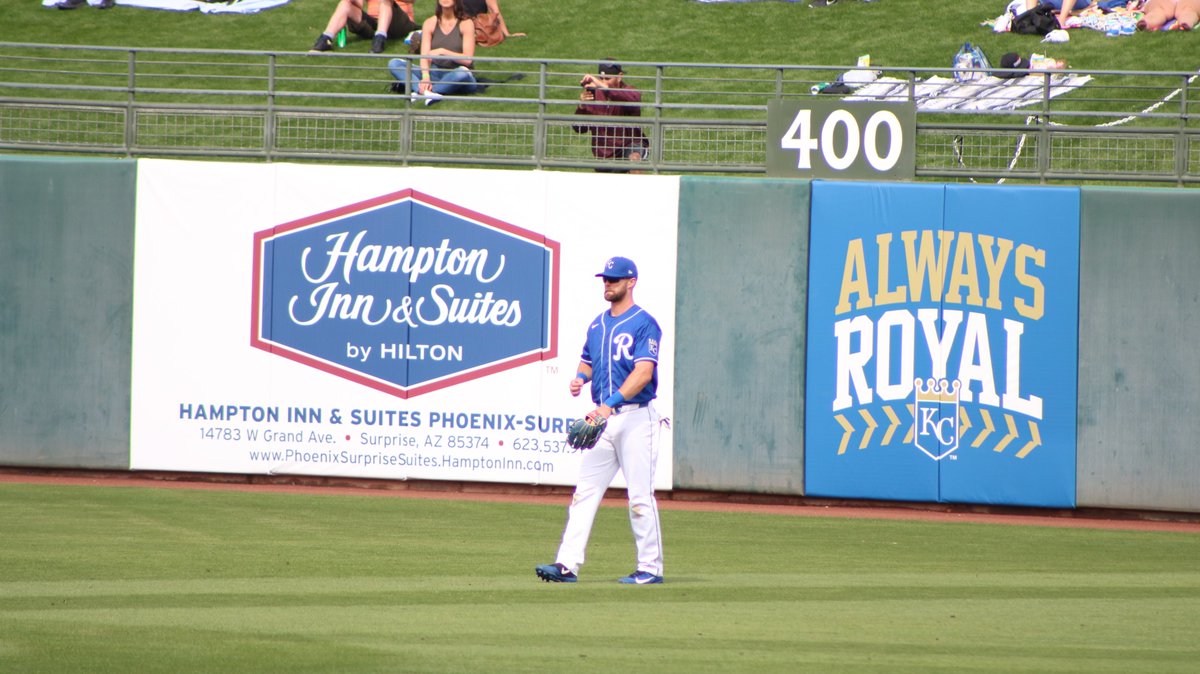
x: 407, y: 7
x: 372, y: 24
x: 490, y: 28
x: 1068, y: 7
x: 447, y: 54
x: 1158, y: 12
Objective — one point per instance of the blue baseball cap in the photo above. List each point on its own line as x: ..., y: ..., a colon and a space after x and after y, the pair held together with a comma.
x: 619, y: 267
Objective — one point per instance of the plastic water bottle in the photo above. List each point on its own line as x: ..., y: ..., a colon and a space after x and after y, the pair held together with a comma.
x: 341, y: 38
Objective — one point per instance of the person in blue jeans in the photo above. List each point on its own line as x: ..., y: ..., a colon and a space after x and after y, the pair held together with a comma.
x: 447, y: 54
x: 1067, y: 7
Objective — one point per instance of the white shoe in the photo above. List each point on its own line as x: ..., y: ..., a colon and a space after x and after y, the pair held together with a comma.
x: 432, y: 97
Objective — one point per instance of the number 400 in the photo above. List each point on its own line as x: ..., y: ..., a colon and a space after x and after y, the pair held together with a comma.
x: 799, y: 137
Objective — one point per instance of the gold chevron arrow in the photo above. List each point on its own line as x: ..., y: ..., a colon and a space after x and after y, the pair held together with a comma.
x: 1035, y: 442
x: 964, y: 423
x: 895, y: 423
x: 871, y: 426
x: 987, y: 428
x: 849, y: 430
x: 908, y: 437
x: 1012, y: 434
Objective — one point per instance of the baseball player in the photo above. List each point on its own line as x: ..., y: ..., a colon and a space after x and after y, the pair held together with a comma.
x: 620, y: 358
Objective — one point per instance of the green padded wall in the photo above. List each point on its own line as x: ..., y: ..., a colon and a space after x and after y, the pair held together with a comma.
x: 1139, y: 372
x: 66, y: 267
x: 740, y: 342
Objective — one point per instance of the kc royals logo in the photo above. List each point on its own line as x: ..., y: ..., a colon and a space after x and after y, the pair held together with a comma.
x: 405, y: 293
x: 936, y: 416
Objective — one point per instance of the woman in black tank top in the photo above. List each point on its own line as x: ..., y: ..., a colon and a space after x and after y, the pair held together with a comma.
x: 447, y: 54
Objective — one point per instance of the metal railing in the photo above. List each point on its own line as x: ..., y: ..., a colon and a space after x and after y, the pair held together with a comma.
x: 1121, y: 126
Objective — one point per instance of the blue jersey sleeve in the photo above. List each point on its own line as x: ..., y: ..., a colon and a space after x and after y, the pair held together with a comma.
x: 649, y: 338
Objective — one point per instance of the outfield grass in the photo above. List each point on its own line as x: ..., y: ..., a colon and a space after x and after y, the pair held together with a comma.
x: 924, y: 33
x: 138, y: 579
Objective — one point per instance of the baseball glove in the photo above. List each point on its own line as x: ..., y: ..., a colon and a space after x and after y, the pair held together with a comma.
x: 585, y: 433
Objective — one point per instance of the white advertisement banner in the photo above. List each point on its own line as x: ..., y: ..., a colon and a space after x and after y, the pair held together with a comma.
x: 397, y: 323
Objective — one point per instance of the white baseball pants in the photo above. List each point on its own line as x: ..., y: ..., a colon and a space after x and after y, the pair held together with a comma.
x: 629, y: 444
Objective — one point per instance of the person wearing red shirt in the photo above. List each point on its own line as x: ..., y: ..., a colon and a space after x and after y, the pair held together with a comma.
x: 605, y: 94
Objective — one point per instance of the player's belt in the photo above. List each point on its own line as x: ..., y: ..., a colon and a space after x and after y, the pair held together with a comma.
x: 629, y: 407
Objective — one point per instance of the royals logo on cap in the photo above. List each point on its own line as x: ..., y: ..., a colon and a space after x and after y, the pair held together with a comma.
x: 619, y: 267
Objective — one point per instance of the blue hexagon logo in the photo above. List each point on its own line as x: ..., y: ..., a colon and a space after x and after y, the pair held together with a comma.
x: 405, y: 293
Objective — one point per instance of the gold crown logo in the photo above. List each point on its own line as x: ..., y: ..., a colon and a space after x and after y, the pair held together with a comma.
x: 940, y: 391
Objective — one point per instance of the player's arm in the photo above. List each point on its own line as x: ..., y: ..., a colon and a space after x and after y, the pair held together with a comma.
x: 643, y: 372
x: 583, y: 374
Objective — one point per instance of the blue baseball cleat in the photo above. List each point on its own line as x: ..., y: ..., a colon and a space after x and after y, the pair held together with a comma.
x: 556, y: 573
x: 641, y: 578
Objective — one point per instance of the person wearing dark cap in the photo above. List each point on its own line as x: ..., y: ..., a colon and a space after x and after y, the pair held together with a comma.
x: 606, y: 94
x: 620, y: 359
x: 1014, y: 65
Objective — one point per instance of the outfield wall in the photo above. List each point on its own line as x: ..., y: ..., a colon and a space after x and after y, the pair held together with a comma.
x: 1139, y: 377
x: 801, y: 314
x: 66, y: 288
x: 740, y: 404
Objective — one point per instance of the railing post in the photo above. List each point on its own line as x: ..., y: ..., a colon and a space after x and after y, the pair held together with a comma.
x: 1044, y: 141
x: 539, y: 125
x: 656, y: 143
x: 130, y: 102
x: 1181, y: 138
x: 269, y: 120
x: 406, y: 120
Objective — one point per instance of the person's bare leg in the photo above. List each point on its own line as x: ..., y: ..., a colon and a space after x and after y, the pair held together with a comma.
x: 1158, y: 12
x: 1187, y: 14
x: 345, y: 10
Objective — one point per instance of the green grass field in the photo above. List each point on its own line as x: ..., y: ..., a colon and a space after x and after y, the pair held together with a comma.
x: 107, y: 579
x: 902, y: 33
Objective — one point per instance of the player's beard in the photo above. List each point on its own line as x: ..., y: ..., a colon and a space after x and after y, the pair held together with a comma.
x: 614, y: 295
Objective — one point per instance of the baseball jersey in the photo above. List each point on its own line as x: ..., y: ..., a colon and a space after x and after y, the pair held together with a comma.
x: 614, y: 344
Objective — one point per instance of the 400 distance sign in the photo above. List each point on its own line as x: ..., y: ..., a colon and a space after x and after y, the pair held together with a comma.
x: 834, y: 138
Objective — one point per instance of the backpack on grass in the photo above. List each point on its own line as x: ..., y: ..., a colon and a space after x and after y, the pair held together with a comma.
x: 1038, y: 21
x: 969, y: 58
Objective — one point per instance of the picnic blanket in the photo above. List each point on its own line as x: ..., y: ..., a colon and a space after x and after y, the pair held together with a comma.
x: 990, y: 93
x: 230, y: 7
